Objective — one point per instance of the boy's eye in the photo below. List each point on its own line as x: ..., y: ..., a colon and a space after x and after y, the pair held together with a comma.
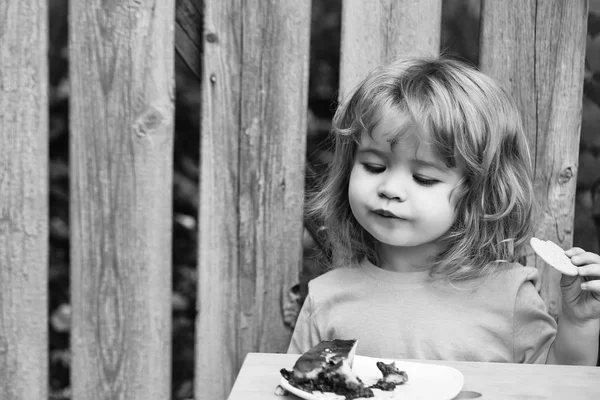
x: 373, y: 168
x: 424, y: 181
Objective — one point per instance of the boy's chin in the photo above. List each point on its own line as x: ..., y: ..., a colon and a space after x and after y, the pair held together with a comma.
x: 406, y: 242
x: 385, y: 241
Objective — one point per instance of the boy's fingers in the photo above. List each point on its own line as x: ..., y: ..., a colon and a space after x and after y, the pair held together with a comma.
x: 585, y: 258
x: 593, y: 287
x: 589, y: 270
x: 574, y: 251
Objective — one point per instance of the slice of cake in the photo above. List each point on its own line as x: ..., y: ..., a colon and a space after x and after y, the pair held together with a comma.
x: 323, y: 355
x: 327, y: 367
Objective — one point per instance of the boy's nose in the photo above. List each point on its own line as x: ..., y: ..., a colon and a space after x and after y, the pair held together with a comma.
x: 392, y: 191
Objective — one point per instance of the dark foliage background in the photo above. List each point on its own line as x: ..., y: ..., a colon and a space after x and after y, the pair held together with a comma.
x: 459, y: 37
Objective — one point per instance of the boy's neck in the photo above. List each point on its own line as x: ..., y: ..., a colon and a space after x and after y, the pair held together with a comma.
x: 407, y: 259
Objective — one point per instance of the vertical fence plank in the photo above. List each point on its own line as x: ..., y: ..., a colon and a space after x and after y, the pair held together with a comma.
x: 375, y: 32
x: 23, y: 200
x: 536, y: 48
x: 216, y: 323
x: 274, y: 102
x: 121, y: 144
x: 254, y: 107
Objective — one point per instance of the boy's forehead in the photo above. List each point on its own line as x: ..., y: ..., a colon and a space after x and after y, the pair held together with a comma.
x: 392, y: 122
x: 393, y: 131
x: 389, y: 143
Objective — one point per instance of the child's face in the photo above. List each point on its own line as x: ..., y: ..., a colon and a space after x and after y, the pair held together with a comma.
x: 401, y: 193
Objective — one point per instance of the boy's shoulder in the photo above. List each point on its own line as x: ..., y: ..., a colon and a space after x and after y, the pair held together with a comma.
x: 337, y: 276
x: 515, y: 275
x: 336, y: 282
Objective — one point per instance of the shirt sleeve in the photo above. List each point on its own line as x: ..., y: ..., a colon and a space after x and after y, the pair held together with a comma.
x: 306, y: 335
x: 534, y: 328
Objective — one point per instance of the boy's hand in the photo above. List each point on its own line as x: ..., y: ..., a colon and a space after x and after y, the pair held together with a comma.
x: 581, y: 294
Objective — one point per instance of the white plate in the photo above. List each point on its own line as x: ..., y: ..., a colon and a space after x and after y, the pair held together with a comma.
x: 425, y: 381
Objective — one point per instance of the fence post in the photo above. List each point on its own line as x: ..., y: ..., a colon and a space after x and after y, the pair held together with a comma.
x: 254, y: 108
x: 536, y: 48
x: 121, y: 158
x: 376, y: 32
x: 23, y: 200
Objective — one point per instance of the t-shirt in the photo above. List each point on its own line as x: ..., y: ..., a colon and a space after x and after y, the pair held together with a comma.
x: 496, y: 318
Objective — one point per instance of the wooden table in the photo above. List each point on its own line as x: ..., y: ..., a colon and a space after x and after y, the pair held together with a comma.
x: 259, y: 376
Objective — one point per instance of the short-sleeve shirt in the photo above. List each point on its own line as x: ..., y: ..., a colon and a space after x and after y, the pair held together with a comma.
x: 496, y: 318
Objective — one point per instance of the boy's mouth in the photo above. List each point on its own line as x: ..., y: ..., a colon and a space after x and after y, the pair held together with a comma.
x: 386, y: 213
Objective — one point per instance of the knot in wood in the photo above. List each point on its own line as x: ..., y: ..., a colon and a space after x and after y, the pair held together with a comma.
x: 148, y: 122
x: 212, y: 37
x: 565, y: 176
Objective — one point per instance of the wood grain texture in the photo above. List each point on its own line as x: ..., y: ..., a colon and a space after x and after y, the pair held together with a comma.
x: 23, y: 200
x: 376, y: 32
x: 254, y: 108
x: 216, y: 323
x: 536, y: 49
x: 121, y: 157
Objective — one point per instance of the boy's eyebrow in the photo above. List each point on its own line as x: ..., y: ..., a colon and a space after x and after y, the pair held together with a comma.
x: 417, y: 161
x: 432, y: 164
x: 367, y: 149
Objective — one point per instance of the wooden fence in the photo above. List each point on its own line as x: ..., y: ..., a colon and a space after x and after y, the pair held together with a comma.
x: 254, y: 99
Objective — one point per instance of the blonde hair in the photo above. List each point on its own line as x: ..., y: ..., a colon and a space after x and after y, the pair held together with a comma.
x: 471, y: 123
